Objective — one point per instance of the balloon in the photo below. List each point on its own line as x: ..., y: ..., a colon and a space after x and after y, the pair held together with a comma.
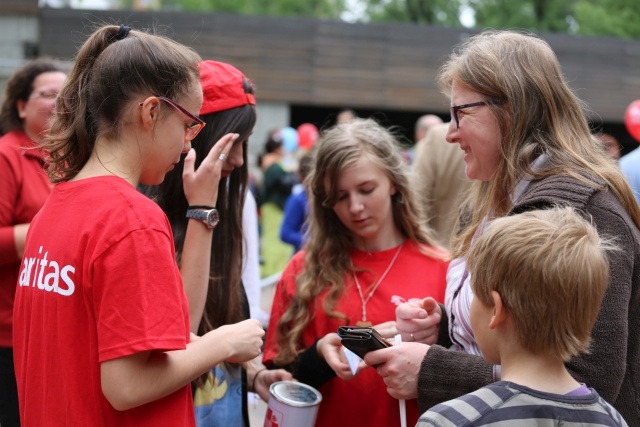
x: 632, y: 119
x: 307, y: 136
x: 289, y: 139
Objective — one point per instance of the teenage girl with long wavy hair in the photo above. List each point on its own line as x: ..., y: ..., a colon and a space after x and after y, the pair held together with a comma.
x: 367, y: 251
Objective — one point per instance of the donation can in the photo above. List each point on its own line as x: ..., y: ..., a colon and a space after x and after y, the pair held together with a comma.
x: 292, y: 404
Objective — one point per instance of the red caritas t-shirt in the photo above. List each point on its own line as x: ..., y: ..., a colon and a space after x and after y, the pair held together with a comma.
x: 363, y: 400
x: 98, y: 281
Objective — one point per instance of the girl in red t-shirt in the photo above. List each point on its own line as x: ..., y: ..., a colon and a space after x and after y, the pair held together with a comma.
x: 367, y: 252
x: 102, y: 328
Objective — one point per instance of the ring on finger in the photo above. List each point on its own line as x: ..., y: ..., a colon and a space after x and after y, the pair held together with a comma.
x: 222, y: 157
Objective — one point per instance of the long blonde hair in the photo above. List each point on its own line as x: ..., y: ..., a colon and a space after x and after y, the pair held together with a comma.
x: 539, y: 114
x: 330, y: 243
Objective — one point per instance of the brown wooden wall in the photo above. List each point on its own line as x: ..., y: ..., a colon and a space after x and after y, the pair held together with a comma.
x: 321, y: 63
x: 19, y: 6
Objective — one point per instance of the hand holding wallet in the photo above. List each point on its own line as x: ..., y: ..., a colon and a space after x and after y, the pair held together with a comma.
x: 361, y: 340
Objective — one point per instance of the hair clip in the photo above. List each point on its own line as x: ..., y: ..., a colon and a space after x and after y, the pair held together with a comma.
x: 123, y: 32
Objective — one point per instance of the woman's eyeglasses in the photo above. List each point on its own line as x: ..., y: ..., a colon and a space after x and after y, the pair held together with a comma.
x: 44, y: 94
x: 456, y: 108
x: 193, y: 129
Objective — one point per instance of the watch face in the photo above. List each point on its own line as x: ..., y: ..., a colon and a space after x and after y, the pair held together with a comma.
x: 213, y: 218
x: 209, y: 217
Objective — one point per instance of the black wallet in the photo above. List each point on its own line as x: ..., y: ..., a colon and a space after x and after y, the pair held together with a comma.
x: 361, y: 340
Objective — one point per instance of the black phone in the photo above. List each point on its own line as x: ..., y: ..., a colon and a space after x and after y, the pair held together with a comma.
x: 361, y: 340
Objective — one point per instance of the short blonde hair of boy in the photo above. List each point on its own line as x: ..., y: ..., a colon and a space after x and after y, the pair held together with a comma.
x: 551, y: 271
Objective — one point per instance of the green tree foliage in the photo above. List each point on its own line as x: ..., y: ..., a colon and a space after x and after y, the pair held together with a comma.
x: 613, y: 18
x: 538, y: 15
x: 322, y: 9
x: 430, y: 12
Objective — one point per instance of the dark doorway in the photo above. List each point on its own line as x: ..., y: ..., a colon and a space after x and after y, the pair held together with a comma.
x: 404, y: 122
x: 323, y: 117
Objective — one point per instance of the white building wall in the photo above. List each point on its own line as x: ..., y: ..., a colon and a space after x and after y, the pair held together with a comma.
x: 16, y: 32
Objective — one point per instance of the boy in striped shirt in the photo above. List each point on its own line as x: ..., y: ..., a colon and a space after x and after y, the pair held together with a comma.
x: 538, y: 280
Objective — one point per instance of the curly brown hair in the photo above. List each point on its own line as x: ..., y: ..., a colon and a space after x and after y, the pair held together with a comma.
x: 20, y: 87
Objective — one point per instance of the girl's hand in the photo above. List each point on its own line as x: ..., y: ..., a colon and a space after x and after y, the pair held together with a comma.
x: 266, y: 378
x: 243, y: 338
x: 330, y: 349
x: 201, y: 186
x: 386, y: 329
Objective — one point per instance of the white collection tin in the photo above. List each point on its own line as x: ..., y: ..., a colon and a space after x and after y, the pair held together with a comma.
x: 292, y: 404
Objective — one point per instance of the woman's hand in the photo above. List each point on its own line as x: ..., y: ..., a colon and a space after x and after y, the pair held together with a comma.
x: 419, y: 321
x: 330, y: 349
x: 201, y: 186
x: 399, y: 367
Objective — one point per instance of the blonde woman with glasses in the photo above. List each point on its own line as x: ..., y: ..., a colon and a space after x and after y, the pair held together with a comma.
x: 527, y: 146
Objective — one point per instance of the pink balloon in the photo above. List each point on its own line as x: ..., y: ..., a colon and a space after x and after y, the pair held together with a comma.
x: 307, y: 136
x: 632, y: 119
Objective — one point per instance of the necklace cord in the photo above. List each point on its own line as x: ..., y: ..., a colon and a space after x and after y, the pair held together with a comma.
x: 375, y: 285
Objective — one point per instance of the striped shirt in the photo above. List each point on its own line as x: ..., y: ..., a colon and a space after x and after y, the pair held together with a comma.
x: 459, y: 294
x: 457, y: 302
x: 505, y: 404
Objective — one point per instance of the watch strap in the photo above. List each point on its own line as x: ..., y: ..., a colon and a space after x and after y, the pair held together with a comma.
x: 209, y: 217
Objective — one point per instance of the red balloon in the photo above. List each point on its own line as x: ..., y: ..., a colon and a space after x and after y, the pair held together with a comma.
x: 632, y: 119
x: 307, y: 136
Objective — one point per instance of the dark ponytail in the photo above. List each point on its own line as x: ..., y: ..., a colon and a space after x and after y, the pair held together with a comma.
x: 115, y: 65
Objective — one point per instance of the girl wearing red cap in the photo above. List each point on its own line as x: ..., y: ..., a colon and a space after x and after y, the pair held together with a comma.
x: 228, y: 107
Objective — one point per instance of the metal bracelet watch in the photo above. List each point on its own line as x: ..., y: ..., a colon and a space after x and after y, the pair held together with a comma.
x: 209, y: 217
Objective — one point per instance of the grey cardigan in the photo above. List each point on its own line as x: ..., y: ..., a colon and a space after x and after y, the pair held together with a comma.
x: 613, y: 365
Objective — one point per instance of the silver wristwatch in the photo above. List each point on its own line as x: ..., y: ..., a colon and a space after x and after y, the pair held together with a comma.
x: 209, y: 216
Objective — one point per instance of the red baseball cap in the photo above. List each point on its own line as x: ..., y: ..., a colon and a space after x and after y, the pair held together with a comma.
x: 222, y: 87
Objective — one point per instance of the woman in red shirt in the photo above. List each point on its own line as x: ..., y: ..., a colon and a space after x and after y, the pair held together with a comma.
x: 29, y: 99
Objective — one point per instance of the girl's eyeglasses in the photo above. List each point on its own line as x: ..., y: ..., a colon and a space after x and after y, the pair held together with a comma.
x: 192, y: 130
